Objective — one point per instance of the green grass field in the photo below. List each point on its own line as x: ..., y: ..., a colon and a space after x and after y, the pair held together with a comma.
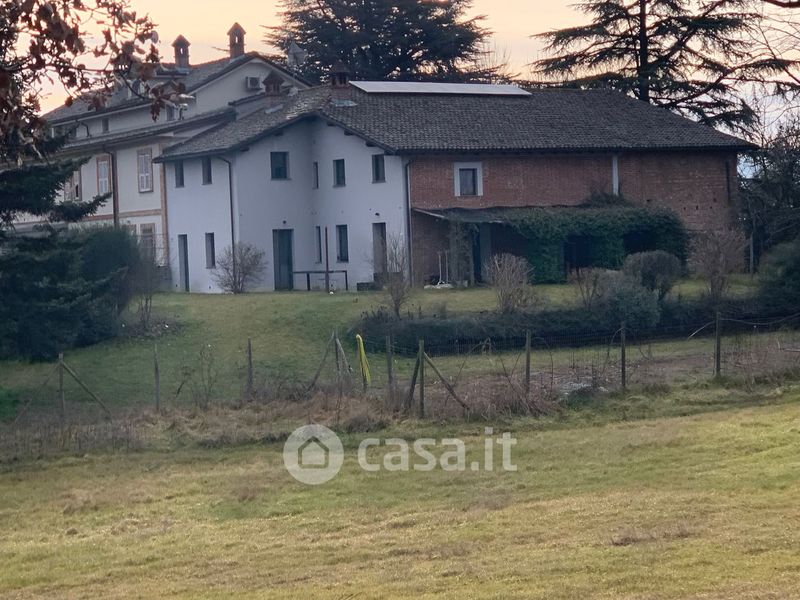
x: 684, y: 503
x: 288, y: 331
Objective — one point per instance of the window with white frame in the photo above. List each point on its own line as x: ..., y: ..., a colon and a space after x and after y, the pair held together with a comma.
x: 468, y: 179
x: 144, y: 163
x: 378, y: 168
x: 103, y: 175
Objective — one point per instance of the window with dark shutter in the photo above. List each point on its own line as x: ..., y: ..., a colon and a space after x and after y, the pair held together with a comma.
x: 378, y: 168
x: 342, y: 250
x: 279, y: 163
x: 338, y: 173
x: 468, y: 182
x: 207, y: 176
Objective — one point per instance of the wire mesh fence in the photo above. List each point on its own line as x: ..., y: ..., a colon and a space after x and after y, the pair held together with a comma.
x: 520, y: 374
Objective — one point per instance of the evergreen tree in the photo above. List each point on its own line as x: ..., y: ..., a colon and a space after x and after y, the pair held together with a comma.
x: 685, y: 55
x: 378, y: 39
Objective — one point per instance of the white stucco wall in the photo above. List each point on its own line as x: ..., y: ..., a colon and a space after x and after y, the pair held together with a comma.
x: 263, y: 205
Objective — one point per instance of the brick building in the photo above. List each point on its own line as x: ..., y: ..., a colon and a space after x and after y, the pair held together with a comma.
x: 351, y: 164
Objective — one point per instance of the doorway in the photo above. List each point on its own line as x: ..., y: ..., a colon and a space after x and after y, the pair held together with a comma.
x: 183, y: 261
x: 379, y: 256
x: 282, y: 243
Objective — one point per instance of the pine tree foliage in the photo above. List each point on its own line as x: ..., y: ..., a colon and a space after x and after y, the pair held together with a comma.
x: 382, y: 40
x: 688, y: 56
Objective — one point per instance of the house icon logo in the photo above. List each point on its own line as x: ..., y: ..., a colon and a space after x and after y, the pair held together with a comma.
x: 313, y: 454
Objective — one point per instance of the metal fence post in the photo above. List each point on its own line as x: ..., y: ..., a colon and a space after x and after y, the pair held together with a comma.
x: 718, y: 347
x: 622, y: 358
x: 421, y: 359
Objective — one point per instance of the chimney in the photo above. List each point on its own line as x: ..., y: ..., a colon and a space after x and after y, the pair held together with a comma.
x: 340, y: 75
x: 236, y: 40
x: 181, y: 45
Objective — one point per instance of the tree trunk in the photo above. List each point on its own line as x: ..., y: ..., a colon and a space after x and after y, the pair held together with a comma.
x: 644, y: 54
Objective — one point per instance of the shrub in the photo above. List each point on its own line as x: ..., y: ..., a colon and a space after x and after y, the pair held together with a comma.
x: 109, y: 252
x: 589, y: 288
x: 398, y: 287
x: 624, y: 299
x: 239, y: 267
x: 716, y: 255
x: 658, y: 271
x: 780, y: 276
x: 510, y: 277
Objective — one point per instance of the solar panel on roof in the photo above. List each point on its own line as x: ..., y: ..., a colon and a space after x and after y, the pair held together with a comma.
x: 409, y: 87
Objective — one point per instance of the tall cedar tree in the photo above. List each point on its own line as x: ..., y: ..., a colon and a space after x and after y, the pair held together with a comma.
x: 685, y: 55
x: 379, y: 39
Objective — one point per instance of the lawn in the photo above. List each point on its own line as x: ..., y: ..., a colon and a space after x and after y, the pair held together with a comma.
x: 676, y: 505
x: 288, y: 331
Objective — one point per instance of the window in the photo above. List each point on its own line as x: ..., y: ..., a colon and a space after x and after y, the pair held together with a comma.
x: 318, y: 234
x: 468, y: 179
x: 378, y: 168
x: 342, y: 251
x: 279, y: 162
x: 207, y: 178
x: 211, y: 257
x: 147, y: 238
x: 170, y: 113
x: 179, y: 181
x: 103, y: 175
x: 104, y: 125
x: 72, y: 188
x: 338, y: 173
x: 315, y: 175
x: 144, y: 160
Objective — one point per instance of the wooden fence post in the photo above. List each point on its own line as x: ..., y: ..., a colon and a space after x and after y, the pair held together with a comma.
x: 421, y: 360
x: 622, y: 358
x: 389, y: 370
x: 528, y: 364
x: 157, y: 377
x: 249, y: 370
x: 61, y: 398
x: 718, y: 347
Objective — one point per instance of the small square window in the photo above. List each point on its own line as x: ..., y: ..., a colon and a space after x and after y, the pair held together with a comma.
x: 339, y: 179
x: 279, y: 163
x: 378, y: 168
x: 207, y: 175
x: 342, y: 249
x: 315, y: 175
x: 179, y: 180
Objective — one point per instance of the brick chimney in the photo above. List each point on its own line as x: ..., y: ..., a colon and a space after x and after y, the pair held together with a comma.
x: 236, y: 40
x: 181, y: 45
x: 340, y: 75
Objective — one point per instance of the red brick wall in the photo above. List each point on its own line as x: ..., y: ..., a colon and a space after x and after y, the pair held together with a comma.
x: 694, y: 185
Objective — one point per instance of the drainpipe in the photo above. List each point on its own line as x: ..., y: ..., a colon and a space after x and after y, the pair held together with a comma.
x: 230, y: 202
x: 114, y: 186
x: 407, y: 186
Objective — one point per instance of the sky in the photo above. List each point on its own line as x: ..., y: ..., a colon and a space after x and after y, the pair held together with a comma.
x: 205, y: 23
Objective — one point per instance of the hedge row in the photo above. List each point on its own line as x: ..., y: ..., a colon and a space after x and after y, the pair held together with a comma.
x: 555, y: 328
